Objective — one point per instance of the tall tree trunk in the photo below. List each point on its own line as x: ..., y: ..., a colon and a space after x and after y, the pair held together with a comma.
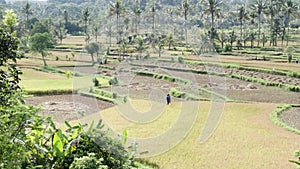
x: 118, y: 31
x: 153, y: 23
x: 259, y: 29
x: 44, y: 58
x: 288, y: 30
x: 92, y: 57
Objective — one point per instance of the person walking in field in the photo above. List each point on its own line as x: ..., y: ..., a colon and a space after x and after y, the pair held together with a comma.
x: 168, y: 99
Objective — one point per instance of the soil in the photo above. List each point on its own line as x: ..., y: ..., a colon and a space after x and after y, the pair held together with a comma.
x: 254, y: 74
x: 291, y: 117
x: 232, y: 88
x: 67, y: 107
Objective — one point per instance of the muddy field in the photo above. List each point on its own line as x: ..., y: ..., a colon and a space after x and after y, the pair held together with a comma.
x: 233, y: 88
x: 67, y: 107
x: 254, y: 74
x: 291, y: 117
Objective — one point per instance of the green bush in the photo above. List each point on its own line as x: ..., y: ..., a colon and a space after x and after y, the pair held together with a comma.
x: 96, y: 82
x: 88, y: 162
x: 113, y: 81
x: 228, y: 48
x: 180, y: 60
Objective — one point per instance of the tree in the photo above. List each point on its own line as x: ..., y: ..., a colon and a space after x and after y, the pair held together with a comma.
x: 160, y: 45
x: 137, y: 11
x: 117, y: 9
x: 212, y: 8
x: 232, y: 37
x: 274, y: 8
x: 13, y: 115
x: 259, y: 7
x: 153, y: 11
x: 92, y: 48
x: 185, y: 9
x: 290, y: 9
x: 10, y: 20
x: 222, y: 37
x: 40, y: 27
x: 242, y: 15
x: 40, y: 43
x: 27, y: 10
x: 86, y: 19
x: 169, y: 40
x: 96, y: 32
x: 141, y: 46
x: 60, y: 32
x: 66, y: 17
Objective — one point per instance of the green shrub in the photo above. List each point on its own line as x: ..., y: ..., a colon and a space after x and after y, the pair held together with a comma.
x: 88, y: 162
x: 180, y: 60
x: 114, y: 95
x: 68, y: 74
x: 96, y: 82
x: 113, y: 81
x: 228, y: 48
x: 290, y: 58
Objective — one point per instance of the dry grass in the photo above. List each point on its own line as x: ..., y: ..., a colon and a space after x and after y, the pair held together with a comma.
x: 245, y: 137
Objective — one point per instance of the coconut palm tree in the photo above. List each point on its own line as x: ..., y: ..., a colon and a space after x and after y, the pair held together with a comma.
x: 185, y: 9
x: 242, y: 15
x: 153, y: 11
x: 259, y: 7
x: 290, y: 9
x: 137, y: 11
x: 27, y: 10
x: 117, y: 9
x: 274, y: 11
x: 212, y: 8
x: 141, y: 46
x: 86, y: 19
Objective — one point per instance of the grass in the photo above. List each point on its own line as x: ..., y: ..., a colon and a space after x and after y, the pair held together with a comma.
x: 245, y: 137
x: 44, y: 83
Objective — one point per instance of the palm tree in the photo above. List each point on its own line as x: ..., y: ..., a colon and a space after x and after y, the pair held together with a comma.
x: 242, y: 15
x: 117, y: 9
x: 185, y: 9
x: 27, y: 10
x: 170, y: 40
x: 66, y: 17
x: 153, y: 11
x: 222, y: 37
x: 274, y: 10
x: 290, y: 10
x: 137, y: 12
x: 212, y: 7
x: 86, y: 18
x: 141, y: 46
x: 259, y: 7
